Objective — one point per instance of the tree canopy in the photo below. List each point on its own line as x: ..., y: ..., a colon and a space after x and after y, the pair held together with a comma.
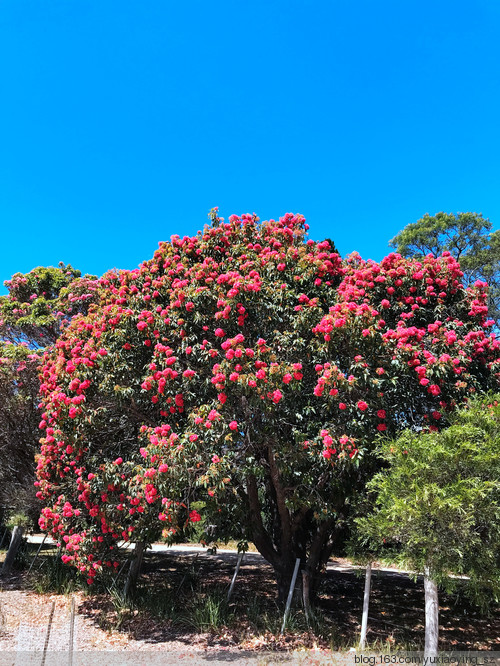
x: 32, y: 314
x: 249, y: 369
x: 438, y: 499
x: 469, y: 237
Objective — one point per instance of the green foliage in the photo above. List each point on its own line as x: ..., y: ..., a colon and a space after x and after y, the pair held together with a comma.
x: 19, y: 519
x: 209, y: 611
x: 466, y: 236
x: 32, y: 315
x: 438, y: 502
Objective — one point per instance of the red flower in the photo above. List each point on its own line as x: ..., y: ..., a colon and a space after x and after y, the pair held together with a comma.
x: 381, y: 413
x: 277, y: 395
x: 194, y: 516
x: 362, y: 405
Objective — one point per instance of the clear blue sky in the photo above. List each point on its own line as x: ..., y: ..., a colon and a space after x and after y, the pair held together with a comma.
x: 125, y: 122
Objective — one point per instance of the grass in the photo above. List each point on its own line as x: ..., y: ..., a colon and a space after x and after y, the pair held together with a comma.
x: 208, y: 611
x: 53, y: 577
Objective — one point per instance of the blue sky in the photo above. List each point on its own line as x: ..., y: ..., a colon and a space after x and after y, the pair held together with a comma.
x: 124, y: 122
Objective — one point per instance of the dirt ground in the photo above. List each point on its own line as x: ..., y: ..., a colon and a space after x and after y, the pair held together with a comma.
x: 250, y: 629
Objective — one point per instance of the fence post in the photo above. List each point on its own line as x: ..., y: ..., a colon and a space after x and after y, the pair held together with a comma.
x: 238, y: 564
x: 15, y: 542
x: 290, y: 594
x: 366, y: 602
x: 71, y: 632
x: 37, y: 554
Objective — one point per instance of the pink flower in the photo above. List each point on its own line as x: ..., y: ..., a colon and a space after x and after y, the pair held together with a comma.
x: 342, y: 405
x: 215, y: 459
x: 118, y: 461
x: 142, y: 325
x: 277, y: 395
x: 362, y: 405
x: 434, y: 389
x: 163, y: 468
x: 287, y: 378
x: 233, y: 425
x: 219, y: 333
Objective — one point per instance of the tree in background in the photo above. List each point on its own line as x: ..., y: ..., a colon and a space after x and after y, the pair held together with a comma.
x: 32, y: 314
x: 468, y: 237
x: 250, y: 370
x: 438, y: 504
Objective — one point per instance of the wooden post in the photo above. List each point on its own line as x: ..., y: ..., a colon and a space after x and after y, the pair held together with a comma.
x: 71, y: 632
x: 15, y: 542
x: 366, y: 603
x: 37, y: 554
x: 290, y: 594
x: 135, y: 568
x: 47, y: 636
x: 238, y: 564
x: 431, y: 616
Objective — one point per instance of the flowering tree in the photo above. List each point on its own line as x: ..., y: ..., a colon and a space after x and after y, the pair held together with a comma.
x: 31, y: 315
x: 469, y: 237
x: 250, y: 369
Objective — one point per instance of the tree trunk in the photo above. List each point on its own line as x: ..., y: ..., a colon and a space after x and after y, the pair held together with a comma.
x: 15, y: 542
x: 135, y: 568
x: 431, y: 616
x: 366, y: 603
x: 284, y: 578
x: 306, y: 593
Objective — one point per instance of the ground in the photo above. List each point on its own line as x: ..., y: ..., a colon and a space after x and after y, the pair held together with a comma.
x: 180, y: 607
